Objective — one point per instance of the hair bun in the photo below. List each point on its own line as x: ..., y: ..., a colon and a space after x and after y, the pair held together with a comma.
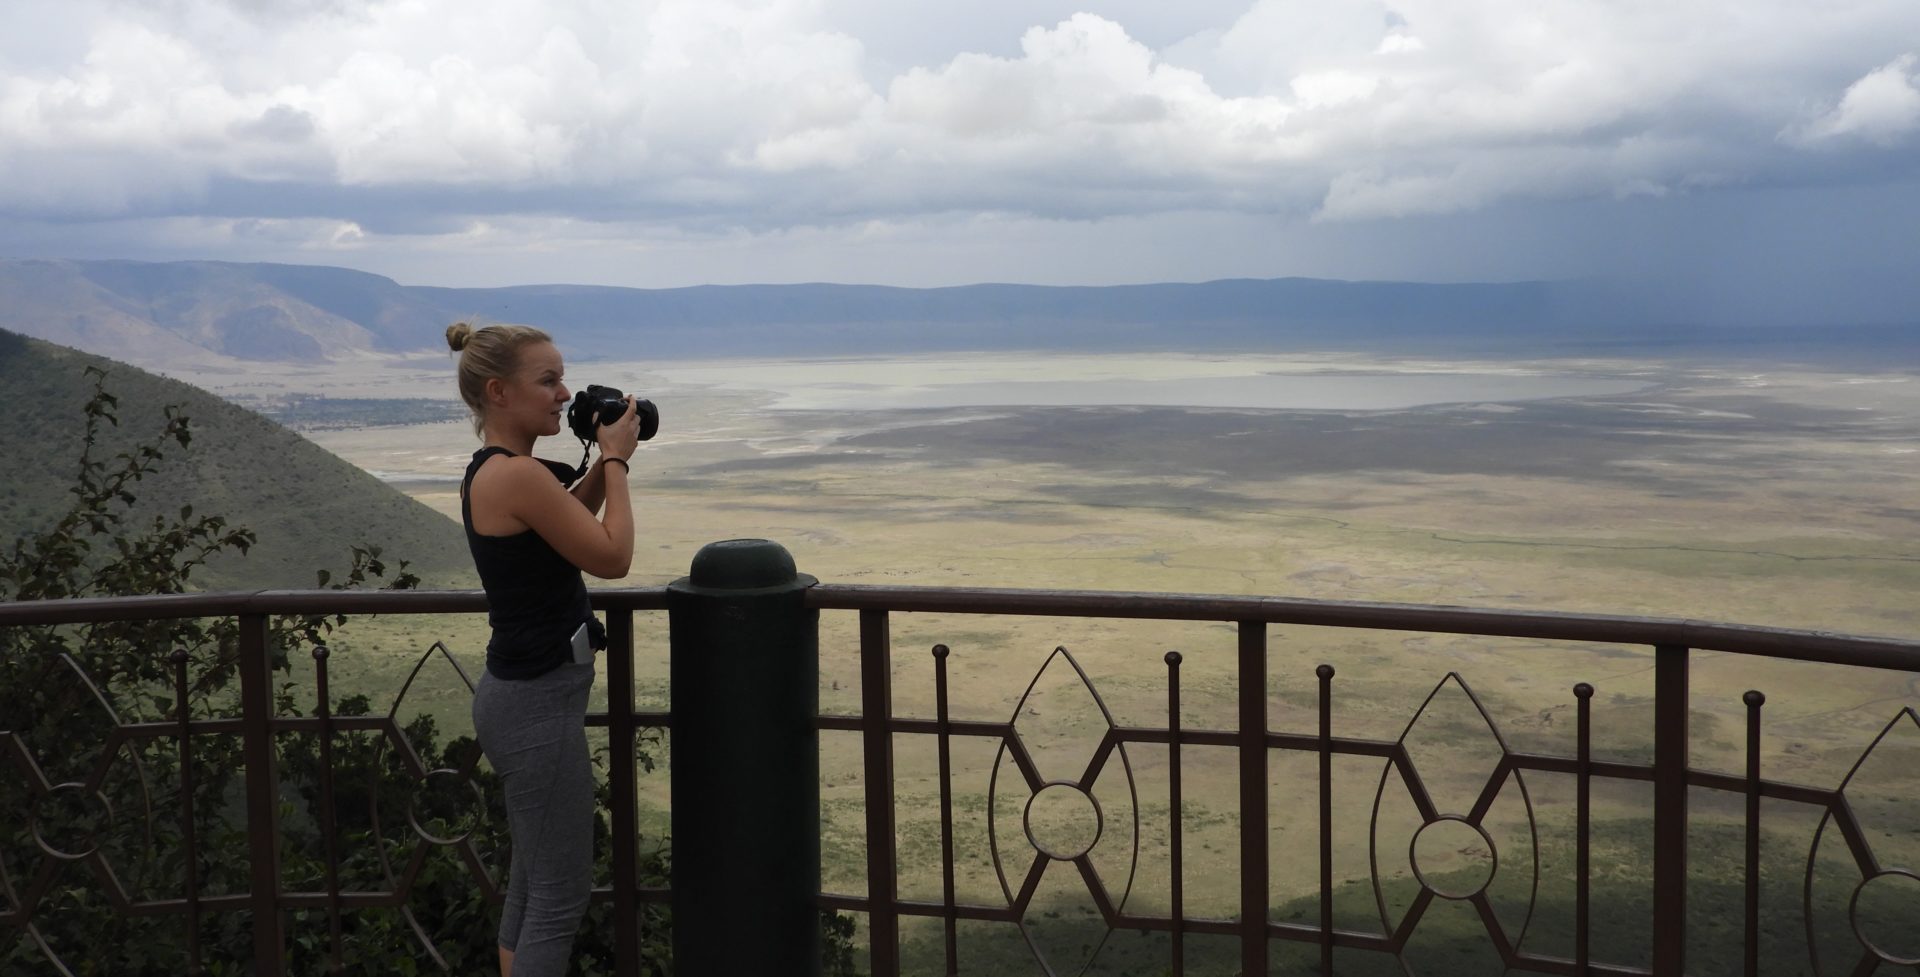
x: 457, y: 336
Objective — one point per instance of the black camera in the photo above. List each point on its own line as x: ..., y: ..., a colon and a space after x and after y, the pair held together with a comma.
x: 599, y: 405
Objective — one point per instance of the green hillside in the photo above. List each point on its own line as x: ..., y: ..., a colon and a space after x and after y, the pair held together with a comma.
x: 306, y: 505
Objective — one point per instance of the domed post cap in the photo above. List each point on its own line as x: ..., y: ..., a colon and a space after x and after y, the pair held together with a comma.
x: 743, y: 565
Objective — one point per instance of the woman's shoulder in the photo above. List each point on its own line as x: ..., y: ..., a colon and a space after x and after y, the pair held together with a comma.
x: 504, y: 466
x: 505, y: 488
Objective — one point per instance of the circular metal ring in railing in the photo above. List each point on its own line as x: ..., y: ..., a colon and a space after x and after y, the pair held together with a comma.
x: 1492, y: 860
x: 1059, y: 788
x: 413, y: 816
x: 78, y: 815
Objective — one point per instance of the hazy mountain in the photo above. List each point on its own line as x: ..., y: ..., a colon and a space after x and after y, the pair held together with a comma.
x: 160, y: 314
x: 844, y: 319
x: 307, y: 506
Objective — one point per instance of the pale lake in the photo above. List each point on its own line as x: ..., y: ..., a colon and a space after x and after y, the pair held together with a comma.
x: 1249, y: 383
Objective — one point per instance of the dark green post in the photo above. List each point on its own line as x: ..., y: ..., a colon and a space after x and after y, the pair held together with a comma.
x: 745, y: 765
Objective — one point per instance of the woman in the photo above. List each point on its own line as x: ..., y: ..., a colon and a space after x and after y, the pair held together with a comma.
x: 531, y: 538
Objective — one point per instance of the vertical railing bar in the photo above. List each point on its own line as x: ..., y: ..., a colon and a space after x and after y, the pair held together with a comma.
x: 188, y: 836
x: 1670, y: 757
x: 1176, y: 814
x: 263, y: 797
x: 1253, y: 798
x: 876, y: 702
x: 1754, y: 700
x: 1325, y: 673
x: 621, y: 732
x: 624, y: 792
x: 1583, y: 813
x: 951, y: 924
x: 330, y: 838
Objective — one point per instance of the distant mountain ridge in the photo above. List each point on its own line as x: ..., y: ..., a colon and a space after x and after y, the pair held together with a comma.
x: 160, y: 314
x: 307, y: 506
x: 168, y: 312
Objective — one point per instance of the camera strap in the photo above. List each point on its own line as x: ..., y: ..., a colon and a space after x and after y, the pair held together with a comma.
x: 586, y: 451
x: 562, y: 472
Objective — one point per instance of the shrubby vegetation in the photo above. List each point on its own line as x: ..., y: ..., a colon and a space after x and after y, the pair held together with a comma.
x: 62, y: 689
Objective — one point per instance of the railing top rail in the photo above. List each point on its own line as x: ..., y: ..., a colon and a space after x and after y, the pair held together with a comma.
x: 89, y: 610
x: 1818, y: 646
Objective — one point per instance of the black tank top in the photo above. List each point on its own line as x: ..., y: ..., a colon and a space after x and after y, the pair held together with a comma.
x: 536, y: 600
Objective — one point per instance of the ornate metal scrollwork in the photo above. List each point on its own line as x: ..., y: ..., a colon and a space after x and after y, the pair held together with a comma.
x: 1464, y: 818
x: 1054, y: 845
x: 1875, y: 934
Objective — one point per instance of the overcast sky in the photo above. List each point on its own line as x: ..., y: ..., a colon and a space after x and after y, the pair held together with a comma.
x: 1768, y: 146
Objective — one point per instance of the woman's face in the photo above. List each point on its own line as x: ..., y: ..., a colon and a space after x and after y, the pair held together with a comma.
x: 535, y: 398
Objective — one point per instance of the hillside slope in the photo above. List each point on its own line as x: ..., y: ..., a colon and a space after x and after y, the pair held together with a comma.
x: 306, y: 505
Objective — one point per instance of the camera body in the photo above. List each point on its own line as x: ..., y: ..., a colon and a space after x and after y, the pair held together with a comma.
x: 599, y: 405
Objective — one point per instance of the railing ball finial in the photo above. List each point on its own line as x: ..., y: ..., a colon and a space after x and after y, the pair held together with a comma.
x: 320, y: 653
x: 1173, y: 658
x: 1324, y: 671
x: 179, y: 656
x: 940, y: 651
x: 1583, y: 690
x: 1754, y: 698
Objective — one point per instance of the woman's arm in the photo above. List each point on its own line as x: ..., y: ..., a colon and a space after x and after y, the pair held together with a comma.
x: 591, y: 489
x: 595, y: 490
x: 525, y: 490
x: 602, y: 547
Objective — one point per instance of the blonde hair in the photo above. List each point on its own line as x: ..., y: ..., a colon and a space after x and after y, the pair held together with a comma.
x: 488, y: 353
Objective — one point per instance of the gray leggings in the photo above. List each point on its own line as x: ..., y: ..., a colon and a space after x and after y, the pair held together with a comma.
x: 531, y: 730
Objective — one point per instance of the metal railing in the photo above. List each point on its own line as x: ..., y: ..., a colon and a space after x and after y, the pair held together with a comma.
x: 700, y: 631
x: 1671, y: 641
x: 257, y: 726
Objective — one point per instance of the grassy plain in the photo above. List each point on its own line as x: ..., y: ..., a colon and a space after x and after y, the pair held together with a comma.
x: 1768, y: 495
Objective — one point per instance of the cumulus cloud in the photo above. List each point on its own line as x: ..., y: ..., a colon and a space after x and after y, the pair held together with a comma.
x: 1084, y: 95
x: 1882, y: 108
x: 771, y: 114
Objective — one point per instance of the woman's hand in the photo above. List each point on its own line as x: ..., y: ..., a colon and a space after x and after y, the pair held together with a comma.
x: 619, y: 439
